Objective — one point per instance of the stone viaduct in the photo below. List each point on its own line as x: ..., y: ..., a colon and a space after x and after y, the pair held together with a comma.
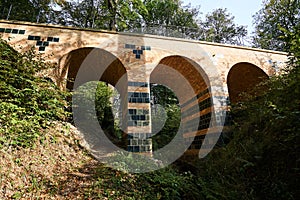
x: 205, y: 76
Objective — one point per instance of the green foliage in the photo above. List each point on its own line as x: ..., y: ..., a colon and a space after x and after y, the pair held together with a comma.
x: 28, y: 10
x: 262, y: 159
x: 127, y: 15
x: 165, y: 183
x: 28, y: 103
x: 168, y: 103
x: 132, y: 163
x: 219, y: 27
x: 17, y: 10
x: 101, y: 95
x: 168, y: 183
x: 104, y: 109
x: 101, y: 14
x: 270, y: 21
x: 169, y: 13
x: 124, y: 14
x: 167, y: 17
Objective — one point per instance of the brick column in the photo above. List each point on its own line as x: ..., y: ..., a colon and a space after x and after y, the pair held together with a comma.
x: 139, y: 114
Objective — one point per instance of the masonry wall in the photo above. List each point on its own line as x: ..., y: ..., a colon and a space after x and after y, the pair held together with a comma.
x: 203, y: 68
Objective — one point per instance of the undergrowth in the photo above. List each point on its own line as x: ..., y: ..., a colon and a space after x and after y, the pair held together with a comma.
x: 262, y: 159
x: 28, y: 103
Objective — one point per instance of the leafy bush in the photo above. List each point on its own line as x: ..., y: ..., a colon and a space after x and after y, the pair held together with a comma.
x: 261, y: 161
x: 28, y: 102
x: 168, y: 183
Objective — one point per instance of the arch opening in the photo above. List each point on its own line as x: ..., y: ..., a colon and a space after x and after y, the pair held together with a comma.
x: 191, y: 86
x: 113, y: 69
x: 242, y: 79
x: 111, y: 93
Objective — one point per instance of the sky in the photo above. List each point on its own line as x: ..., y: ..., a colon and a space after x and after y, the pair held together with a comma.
x: 242, y: 10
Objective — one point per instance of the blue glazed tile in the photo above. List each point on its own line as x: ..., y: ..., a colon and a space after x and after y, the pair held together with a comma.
x: 138, y: 51
x: 30, y: 37
x: 37, y: 37
x: 22, y: 32
x: 15, y: 31
x: 8, y: 30
x: 45, y: 44
x: 39, y: 43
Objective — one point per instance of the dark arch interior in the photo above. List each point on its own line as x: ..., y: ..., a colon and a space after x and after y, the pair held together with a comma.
x: 111, y: 75
x: 242, y: 78
x: 192, y: 99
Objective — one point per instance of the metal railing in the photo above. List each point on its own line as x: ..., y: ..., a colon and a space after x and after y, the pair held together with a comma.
x: 169, y: 31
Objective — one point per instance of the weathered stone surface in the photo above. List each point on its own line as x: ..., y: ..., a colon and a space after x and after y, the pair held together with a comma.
x: 187, y: 67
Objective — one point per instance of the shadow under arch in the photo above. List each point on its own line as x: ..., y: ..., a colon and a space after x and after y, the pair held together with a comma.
x: 90, y: 64
x: 242, y: 78
x: 113, y: 69
x: 191, y: 85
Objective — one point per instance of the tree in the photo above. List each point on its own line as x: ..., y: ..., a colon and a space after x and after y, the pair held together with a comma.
x: 102, y: 14
x: 271, y: 20
x: 219, y: 27
x: 17, y: 10
x: 124, y: 14
x: 160, y: 12
x: 169, y: 17
x: 28, y: 10
x: 80, y: 14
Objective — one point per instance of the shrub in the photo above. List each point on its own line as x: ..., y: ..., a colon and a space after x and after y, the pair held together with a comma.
x: 28, y: 103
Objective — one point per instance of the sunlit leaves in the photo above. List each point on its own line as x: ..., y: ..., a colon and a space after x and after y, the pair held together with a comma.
x: 27, y: 102
x: 271, y: 20
x: 219, y: 27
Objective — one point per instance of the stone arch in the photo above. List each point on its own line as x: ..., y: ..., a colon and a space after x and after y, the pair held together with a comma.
x: 242, y: 78
x: 191, y: 85
x: 113, y: 69
x: 96, y: 64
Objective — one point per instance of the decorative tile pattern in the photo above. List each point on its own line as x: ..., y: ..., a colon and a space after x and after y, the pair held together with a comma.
x: 139, y: 135
x: 202, y: 93
x: 206, y: 103
x: 138, y: 117
x: 204, y: 122
x: 138, y: 97
x: 138, y: 84
x: 13, y: 31
x: 41, y: 43
x: 137, y: 50
x: 139, y: 142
